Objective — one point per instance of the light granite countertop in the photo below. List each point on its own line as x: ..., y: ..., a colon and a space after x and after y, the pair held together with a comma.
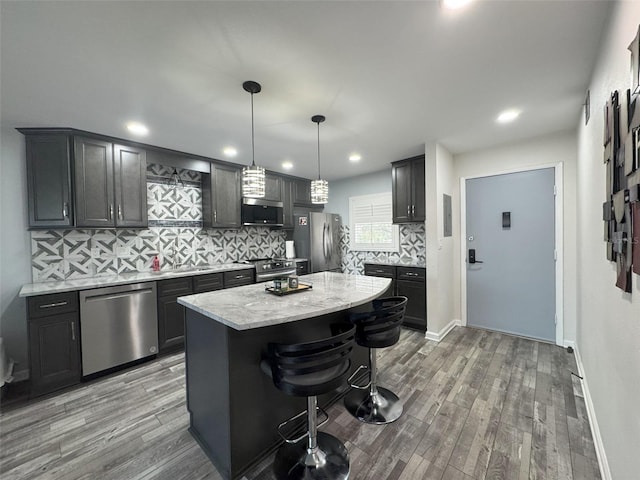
x: 43, y: 288
x: 250, y: 306
x: 403, y: 262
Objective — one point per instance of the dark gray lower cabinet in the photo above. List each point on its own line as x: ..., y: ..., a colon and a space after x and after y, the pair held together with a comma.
x: 302, y: 267
x: 237, y: 278
x: 385, y: 271
x: 408, y: 282
x: 54, y: 342
x: 171, y: 315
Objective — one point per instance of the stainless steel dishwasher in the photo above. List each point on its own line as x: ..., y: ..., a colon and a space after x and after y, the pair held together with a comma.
x: 117, y: 325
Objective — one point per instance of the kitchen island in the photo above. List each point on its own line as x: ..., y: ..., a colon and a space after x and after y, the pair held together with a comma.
x: 234, y: 407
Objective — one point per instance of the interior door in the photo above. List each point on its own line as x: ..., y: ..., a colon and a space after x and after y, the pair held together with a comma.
x: 510, y: 253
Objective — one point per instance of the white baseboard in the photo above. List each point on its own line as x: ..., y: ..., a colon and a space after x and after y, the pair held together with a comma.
x: 605, y: 473
x: 439, y: 336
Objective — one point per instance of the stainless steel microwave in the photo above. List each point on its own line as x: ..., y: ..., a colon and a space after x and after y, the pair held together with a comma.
x: 256, y: 211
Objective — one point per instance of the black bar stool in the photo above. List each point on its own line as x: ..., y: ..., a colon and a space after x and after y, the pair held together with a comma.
x: 307, y: 370
x: 377, y: 329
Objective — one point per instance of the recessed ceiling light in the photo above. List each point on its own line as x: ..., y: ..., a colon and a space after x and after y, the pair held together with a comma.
x: 508, y: 116
x: 355, y: 157
x: 455, y: 4
x: 287, y: 165
x: 230, y: 151
x: 137, y: 128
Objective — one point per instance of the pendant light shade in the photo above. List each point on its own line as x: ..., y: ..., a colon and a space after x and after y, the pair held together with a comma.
x: 319, y: 187
x: 253, y: 175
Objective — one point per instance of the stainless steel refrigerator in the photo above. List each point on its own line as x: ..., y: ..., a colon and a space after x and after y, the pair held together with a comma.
x: 317, y: 237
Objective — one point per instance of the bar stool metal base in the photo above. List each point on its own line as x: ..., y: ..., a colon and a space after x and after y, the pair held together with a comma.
x: 380, y: 407
x: 328, y: 461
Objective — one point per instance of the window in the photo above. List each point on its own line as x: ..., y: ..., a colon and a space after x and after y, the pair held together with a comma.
x: 371, y: 226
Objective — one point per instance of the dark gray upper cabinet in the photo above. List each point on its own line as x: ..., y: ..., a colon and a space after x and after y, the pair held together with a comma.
x: 49, y: 180
x: 273, y: 187
x: 110, y: 184
x: 222, y: 197
x: 130, y: 178
x: 302, y: 192
x: 287, y: 200
x: 83, y: 181
x: 408, y: 190
x: 94, y: 192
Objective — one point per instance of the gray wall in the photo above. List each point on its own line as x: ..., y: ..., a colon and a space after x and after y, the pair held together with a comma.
x: 608, y: 333
x: 15, y: 256
x: 341, y: 190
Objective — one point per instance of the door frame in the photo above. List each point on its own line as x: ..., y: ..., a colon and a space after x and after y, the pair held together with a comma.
x: 559, y: 242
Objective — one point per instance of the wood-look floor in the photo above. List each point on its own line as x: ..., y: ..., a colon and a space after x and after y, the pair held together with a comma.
x: 477, y: 405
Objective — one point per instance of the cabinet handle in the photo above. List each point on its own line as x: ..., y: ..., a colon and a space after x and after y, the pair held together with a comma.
x: 65, y: 210
x: 51, y: 305
x: 413, y: 210
x: 239, y: 276
x: 408, y: 210
x: 73, y: 331
x: 111, y: 212
x: 409, y: 274
x: 120, y: 212
x: 215, y: 216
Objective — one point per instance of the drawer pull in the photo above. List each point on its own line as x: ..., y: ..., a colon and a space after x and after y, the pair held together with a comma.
x: 239, y: 276
x: 409, y: 274
x: 73, y: 331
x: 51, y: 305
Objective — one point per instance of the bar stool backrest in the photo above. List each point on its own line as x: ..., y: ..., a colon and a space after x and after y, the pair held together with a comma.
x: 312, y: 368
x: 381, y: 327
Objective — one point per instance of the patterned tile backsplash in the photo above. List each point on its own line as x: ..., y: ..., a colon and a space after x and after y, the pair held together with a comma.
x: 412, y: 245
x: 175, y: 233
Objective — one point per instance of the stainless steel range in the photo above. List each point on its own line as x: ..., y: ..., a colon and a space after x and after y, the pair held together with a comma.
x: 270, y: 268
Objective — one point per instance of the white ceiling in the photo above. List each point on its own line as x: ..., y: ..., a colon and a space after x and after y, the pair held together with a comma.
x: 388, y: 75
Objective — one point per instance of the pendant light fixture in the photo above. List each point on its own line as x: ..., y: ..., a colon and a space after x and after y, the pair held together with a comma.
x: 253, y: 175
x: 319, y: 187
